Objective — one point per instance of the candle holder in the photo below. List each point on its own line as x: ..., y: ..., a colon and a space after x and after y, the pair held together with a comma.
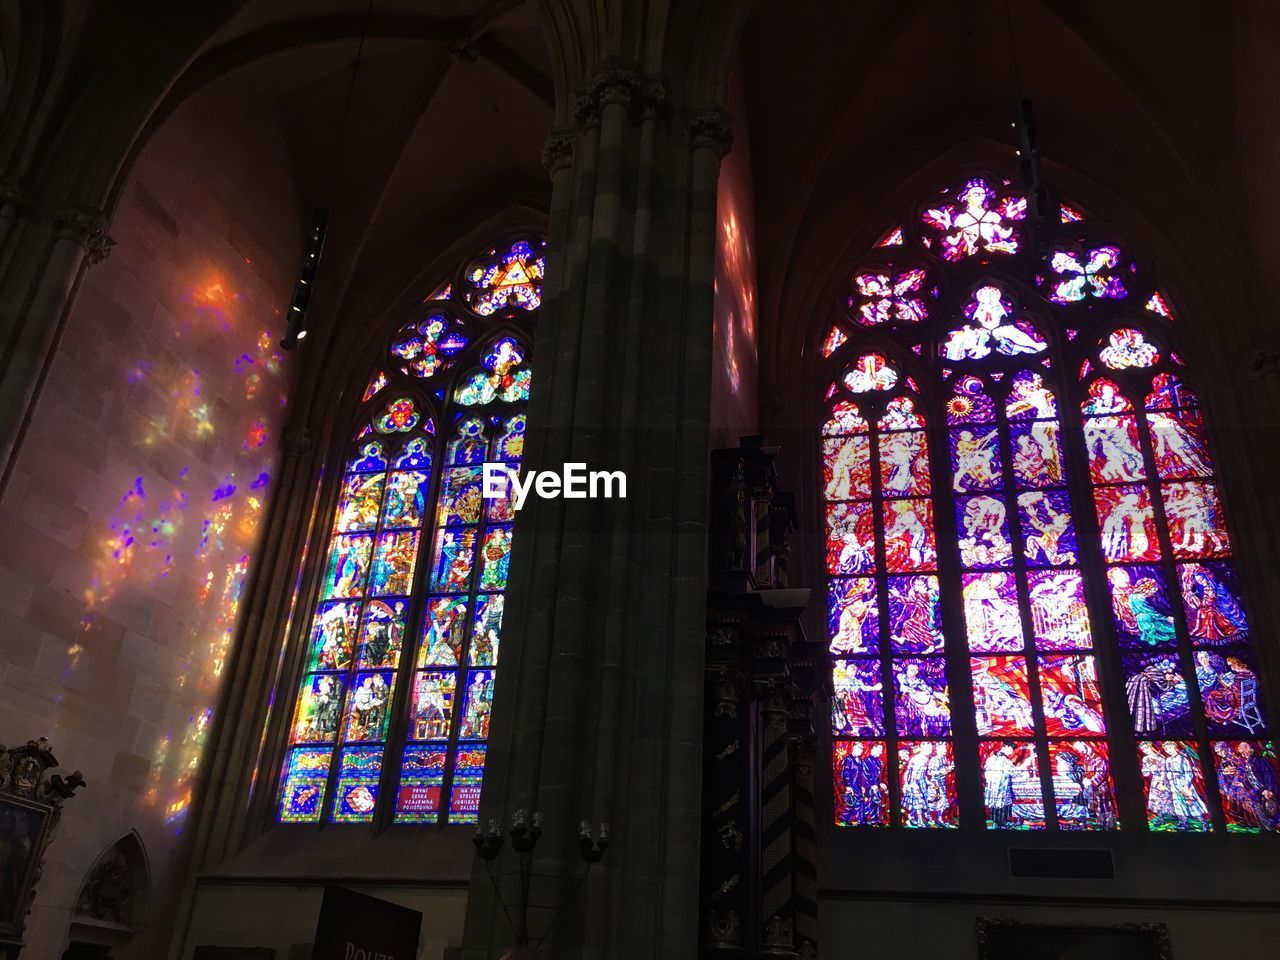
x: 525, y: 833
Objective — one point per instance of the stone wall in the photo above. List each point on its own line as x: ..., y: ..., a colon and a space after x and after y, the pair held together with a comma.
x: 133, y: 516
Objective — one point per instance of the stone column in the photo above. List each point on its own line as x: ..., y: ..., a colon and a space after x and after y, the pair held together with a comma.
x: 598, y: 713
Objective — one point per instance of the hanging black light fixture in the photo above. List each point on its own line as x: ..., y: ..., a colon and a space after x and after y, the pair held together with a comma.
x: 1039, y: 211
x: 313, y: 246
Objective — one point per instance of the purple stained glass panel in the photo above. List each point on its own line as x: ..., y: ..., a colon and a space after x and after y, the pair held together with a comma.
x: 1249, y: 781
x: 921, y: 705
x: 915, y: 615
x: 853, y: 616
x: 1159, y: 703
x: 857, y: 708
x: 982, y: 523
x: 904, y: 464
x: 850, y: 538
x: 1084, y: 795
x: 1037, y: 454
x: 860, y: 779
x: 1211, y: 601
x: 1114, y: 454
x: 1230, y: 692
x: 975, y: 458
x: 1048, y: 531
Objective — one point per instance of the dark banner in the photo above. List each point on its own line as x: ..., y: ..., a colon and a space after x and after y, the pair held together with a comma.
x: 354, y: 926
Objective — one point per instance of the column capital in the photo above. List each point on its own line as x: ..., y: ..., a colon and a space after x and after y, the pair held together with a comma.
x: 557, y: 152
x: 87, y: 228
x: 711, y: 127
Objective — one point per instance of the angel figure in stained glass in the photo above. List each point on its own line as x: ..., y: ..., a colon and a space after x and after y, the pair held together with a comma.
x: 974, y: 457
x: 913, y: 626
x: 1173, y: 791
x: 1137, y: 611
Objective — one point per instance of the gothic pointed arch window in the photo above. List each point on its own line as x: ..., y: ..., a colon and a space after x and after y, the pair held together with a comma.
x: 391, y: 717
x: 1050, y: 507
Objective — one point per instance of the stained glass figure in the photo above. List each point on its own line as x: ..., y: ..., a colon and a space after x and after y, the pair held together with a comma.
x: 1011, y: 790
x: 1059, y: 616
x: 1197, y: 527
x: 871, y: 372
x: 358, y: 503
x: 908, y: 535
x: 904, y: 470
x: 382, y: 633
x: 1083, y: 790
x: 889, y: 297
x: 476, y: 706
x: 1159, y: 701
x: 1001, y: 696
x: 508, y: 280
x: 1173, y: 782
x: 501, y: 377
x: 348, y: 566
x: 369, y: 707
x: 406, y: 499
x: 1037, y: 454
x: 922, y: 707
x: 1249, y: 782
x: 915, y: 617
x: 975, y: 458
x: 850, y: 538
x: 429, y: 345
x: 1140, y: 604
x: 1128, y: 348
x: 860, y: 777
x: 857, y: 706
x: 487, y: 630
x: 927, y: 772
x: 1230, y: 692
x: 1082, y: 274
x: 982, y: 525
x: 443, y: 628
x: 1211, y: 603
x: 1070, y: 696
x: 1178, y: 443
x: 1048, y: 533
x: 845, y: 418
x: 992, y: 618
x: 333, y: 635
x: 853, y: 617
x: 1114, y: 452
x: 976, y: 219
x: 846, y: 465
x: 991, y: 328
x: 393, y: 563
x: 1127, y: 524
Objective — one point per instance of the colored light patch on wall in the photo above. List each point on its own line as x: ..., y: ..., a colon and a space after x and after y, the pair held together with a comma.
x: 993, y: 622
x: 1059, y: 616
x: 860, y: 779
x: 857, y: 709
x: 1173, y: 785
x: 1128, y: 526
x: 927, y: 781
x: 1249, y: 782
x: 1011, y: 785
x: 853, y: 616
x: 1083, y: 790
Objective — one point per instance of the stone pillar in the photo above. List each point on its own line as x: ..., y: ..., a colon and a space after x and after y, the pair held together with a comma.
x: 776, y: 864
x: 598, y: 715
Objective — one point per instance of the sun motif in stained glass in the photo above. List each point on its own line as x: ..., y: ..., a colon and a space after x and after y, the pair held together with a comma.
x: 1084, y: 274
x: 1128, y: 349
x: 512, y: 279
x: 871, y: 372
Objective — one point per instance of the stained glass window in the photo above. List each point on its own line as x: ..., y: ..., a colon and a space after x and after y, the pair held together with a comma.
x: 391, y: 719
x: 1072, y: 528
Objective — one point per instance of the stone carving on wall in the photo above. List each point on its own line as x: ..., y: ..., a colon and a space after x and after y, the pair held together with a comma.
x: 107, y: 893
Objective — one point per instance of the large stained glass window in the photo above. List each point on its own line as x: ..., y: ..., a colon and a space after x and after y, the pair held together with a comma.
x: 392, y: 715
x: 1080, y: 553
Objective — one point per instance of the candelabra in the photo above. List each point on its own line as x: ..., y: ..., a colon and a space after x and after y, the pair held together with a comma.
x: 525, y: 834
